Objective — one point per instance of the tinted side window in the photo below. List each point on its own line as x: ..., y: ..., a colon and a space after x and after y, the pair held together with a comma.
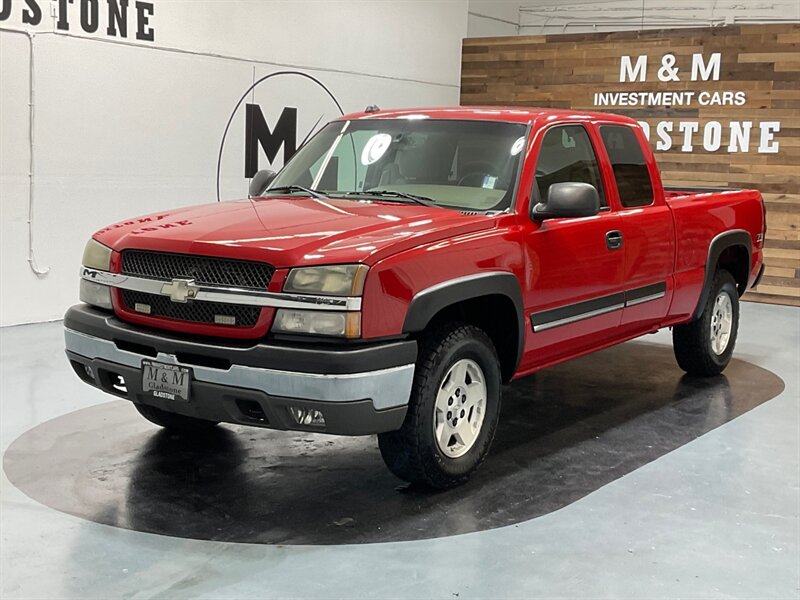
x: 567, y: 155
x: 627, y: 160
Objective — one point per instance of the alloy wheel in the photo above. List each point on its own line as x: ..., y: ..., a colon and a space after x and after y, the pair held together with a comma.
x: 460, y: 408
x: 721, y: 323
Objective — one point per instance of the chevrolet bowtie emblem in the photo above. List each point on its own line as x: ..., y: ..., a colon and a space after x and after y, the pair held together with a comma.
x: 180, y: 290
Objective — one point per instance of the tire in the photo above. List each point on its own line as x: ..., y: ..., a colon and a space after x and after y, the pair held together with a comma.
x: 172, y: 421
x: 701, y: 347
x: 429, y: 449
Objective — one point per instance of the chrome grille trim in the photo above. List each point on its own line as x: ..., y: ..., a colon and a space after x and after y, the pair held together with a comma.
x: 229, y: 295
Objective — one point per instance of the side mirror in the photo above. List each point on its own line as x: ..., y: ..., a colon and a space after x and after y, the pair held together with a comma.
x: 260, y: 182
x: 568, y: 199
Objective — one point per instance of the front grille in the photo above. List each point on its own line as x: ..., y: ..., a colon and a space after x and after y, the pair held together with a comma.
x: 205, y: 270
x: 198, y: 312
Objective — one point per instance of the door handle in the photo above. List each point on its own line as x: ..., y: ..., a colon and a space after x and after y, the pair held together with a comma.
x: 614, y: 240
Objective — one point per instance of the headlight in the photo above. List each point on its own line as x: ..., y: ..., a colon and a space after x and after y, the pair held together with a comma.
x: 320, y: 322
x: 96, y: 256
x: 336, y: 280
x: 95, y: 294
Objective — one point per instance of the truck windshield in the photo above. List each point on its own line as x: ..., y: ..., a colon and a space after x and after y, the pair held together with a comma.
x: 464, y: 165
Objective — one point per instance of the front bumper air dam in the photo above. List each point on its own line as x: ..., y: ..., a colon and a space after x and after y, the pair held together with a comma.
x: 228, y: 385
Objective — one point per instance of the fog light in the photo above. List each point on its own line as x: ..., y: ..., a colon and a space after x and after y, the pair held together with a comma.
x: 142, y: 308
x: 89, y: 371
x: 307, y: 416
x: 118, y: 383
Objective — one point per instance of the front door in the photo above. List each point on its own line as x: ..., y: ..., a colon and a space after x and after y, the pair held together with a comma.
x: 573, y: 290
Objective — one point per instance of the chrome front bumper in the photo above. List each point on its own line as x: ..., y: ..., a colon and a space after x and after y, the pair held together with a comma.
x: 387, y: 388
x: 360, y: 389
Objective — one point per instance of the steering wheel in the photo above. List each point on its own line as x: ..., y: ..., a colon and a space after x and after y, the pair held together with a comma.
x: 478, y: 169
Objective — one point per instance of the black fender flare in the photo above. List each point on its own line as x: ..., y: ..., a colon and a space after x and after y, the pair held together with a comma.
x: 428, y: 302
x: 720, y: 243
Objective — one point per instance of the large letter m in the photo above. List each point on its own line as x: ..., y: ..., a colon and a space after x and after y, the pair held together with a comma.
x: 257, y: 133
x: 628, y: 72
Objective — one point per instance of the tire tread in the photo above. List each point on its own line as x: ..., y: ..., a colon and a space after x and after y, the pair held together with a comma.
x: 691, y: 343
x: 403, y: 450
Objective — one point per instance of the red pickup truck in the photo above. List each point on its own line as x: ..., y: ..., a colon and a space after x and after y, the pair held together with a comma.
x: 400, y: 268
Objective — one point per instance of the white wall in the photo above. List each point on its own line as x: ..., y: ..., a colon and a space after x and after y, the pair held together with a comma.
x: 492, y: 18
x: 122, y: 129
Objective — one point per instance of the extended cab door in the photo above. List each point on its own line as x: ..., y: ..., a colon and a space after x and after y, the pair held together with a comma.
x: 646, y: 226
x: 573, y: 284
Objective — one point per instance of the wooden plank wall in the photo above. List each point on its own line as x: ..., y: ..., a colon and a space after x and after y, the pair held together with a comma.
x: 763, y: 61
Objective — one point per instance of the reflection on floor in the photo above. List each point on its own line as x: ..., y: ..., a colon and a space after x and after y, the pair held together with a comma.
x: 564, y: 433
x: 605, y: 480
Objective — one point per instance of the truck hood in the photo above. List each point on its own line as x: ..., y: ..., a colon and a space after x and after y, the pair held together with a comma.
x: 289, y: 231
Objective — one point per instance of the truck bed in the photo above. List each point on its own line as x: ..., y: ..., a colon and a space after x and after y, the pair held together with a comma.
x: 700, y: 214
x: 671, y: 192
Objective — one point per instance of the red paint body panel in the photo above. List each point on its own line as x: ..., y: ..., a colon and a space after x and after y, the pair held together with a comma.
x: 410, y: 248
x: 393, y: 282
x: 567, y: 262
x: 292, y: 231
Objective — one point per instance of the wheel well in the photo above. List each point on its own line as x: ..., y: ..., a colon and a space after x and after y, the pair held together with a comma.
x: 495, y: 314
x: 736, y: 260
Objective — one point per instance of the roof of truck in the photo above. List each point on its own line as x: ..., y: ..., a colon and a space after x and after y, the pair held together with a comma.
x: 512, y: 114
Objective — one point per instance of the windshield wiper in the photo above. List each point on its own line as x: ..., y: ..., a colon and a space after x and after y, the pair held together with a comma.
x: 423, y: 200
x: 299, y: 188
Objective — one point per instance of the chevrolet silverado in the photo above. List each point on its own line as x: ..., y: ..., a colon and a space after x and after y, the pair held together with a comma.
x: 400, y: 268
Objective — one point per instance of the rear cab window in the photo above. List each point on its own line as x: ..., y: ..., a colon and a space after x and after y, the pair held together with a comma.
x: 634, y: 186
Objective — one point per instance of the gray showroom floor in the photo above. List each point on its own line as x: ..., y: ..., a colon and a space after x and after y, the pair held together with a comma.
x: 716, y: 517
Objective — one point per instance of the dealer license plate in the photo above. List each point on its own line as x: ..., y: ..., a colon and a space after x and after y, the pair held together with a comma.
x: 165, y: 381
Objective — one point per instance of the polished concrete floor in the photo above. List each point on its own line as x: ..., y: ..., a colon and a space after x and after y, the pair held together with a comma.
x: 612, y: 476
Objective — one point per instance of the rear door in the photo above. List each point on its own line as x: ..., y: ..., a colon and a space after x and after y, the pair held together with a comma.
x: 573, y: 287
x: 646, y: 227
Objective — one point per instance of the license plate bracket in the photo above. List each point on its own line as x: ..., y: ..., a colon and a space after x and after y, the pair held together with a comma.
x: 169, y: 382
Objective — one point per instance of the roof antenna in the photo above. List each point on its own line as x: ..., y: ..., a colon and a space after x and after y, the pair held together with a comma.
x: 372, y: 108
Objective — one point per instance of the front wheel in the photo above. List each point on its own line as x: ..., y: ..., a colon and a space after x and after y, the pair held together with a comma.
x: 453, y: 410
x: 704, y: 347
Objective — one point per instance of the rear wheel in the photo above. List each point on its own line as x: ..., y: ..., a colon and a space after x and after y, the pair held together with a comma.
x: 453, y: 410
x: 704, y: 347
x: 174, y: 422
